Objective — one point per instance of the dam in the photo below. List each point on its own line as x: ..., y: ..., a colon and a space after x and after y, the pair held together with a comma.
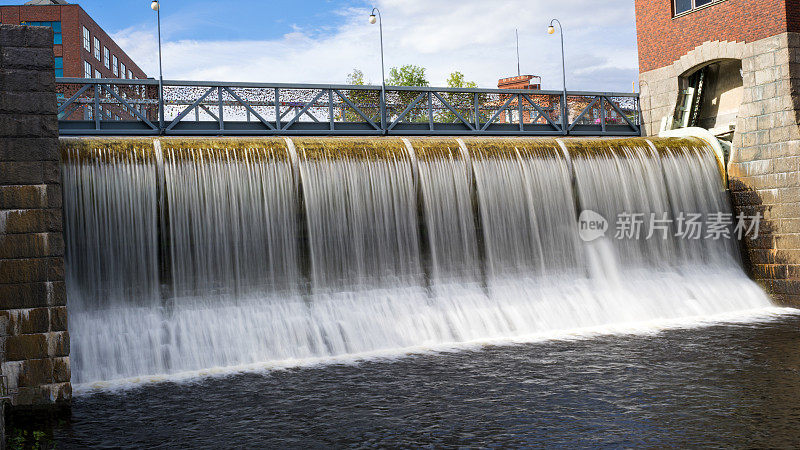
x: 337, y: 266
x: 185, y: 255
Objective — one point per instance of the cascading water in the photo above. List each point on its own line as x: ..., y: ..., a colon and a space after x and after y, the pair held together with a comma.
x: 194, y: 254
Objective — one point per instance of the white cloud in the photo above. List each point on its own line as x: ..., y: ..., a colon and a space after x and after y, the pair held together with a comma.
x: 473, y: 36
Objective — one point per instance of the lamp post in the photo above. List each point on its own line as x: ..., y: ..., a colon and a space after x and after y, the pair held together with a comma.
x: 156, y: 6
x: 372, y: 19
x: 565, y: 111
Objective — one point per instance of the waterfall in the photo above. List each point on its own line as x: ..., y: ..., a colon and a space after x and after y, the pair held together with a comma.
x: 185, y: 255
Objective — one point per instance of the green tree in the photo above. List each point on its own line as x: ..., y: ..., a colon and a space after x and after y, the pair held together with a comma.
x: 407, y: 75
x: 463, y: 103
x: 356, y: 78
x: 398, y: 101
x: 458, y: 80
x: 367, y: 101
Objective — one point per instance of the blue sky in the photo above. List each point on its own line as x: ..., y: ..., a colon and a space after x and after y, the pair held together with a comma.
x: 218, y: 20
x: 321, y: 41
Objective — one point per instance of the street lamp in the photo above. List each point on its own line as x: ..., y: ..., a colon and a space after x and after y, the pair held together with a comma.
x: 373, y: 18
x: 156, y: 6
x: 565, y: 111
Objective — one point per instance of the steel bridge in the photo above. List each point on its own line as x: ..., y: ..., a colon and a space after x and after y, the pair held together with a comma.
x: 92, y: 107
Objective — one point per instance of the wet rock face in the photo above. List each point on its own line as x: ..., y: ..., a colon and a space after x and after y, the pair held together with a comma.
x: 33, y: 314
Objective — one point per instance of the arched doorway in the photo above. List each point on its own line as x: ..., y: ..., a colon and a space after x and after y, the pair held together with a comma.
x: 710, y: 97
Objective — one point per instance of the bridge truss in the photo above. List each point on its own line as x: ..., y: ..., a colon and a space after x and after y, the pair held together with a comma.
x: 91, y: 107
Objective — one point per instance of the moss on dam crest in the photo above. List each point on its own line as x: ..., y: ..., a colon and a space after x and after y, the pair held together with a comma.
x: 312, y: 148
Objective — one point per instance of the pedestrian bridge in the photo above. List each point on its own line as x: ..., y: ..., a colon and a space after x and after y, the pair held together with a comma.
x: 90, y: 107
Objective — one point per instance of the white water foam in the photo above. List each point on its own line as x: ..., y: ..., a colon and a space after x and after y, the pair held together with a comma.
x: 752, y: 317
x: 371, y: 256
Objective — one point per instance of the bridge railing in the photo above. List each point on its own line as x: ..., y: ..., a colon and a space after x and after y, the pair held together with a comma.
x: 131, y: 107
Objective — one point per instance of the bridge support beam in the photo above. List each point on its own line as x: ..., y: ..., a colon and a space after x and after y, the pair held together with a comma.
x: 33, y: 316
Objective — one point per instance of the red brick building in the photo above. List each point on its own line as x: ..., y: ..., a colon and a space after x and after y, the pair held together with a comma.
x: 520, y: 82
x: 82, y: 49
x: 549, y: 103
x: 702, y: 45
x: 733, y: 67
x: 531, y: 82
x: 664, y: 34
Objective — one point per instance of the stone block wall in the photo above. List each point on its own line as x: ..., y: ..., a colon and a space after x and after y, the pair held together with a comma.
x: 764, y: 167
x: 765, y: 163
x: 33, y: 314
x: 659, y: 88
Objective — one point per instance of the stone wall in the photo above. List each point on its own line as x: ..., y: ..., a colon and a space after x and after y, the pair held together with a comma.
x: 659, y: 88
x: 33, y: 314
x: 764, y: 169
x: 765, y: 164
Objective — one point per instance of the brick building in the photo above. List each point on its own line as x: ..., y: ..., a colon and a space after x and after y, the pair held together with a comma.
x: 531, y: 82
x: 550, y: 104
x: 733, y: 67
x: 82, y: 49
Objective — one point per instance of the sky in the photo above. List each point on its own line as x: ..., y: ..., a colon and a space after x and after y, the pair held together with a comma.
x: 321, y: 41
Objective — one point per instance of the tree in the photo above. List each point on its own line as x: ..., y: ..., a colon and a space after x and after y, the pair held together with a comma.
x: 457, y: 80
x: 397, y: 101
x: 366, y: 101
x: 356, y: 78
x: 463, y: 103
x: 407, y: 75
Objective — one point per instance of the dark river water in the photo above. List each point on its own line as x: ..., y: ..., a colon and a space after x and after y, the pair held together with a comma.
x: 723, y: 385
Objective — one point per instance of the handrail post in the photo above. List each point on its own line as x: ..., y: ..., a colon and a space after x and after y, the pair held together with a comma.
x: 278, y: 109
x: 603, y: 115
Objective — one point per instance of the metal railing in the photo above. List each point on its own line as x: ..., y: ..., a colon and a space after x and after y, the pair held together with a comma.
x: 131, y: 107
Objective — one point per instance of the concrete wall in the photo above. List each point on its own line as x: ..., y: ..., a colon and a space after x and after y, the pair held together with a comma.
x: 764, y: 168
x: 33, y: 314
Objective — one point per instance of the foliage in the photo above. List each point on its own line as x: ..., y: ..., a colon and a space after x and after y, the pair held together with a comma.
x: 463, y: 103
x: 458, y: 80
x: 407, y: 75
x: 356, y: 78
x: 367, y: 101
x: 411, y: 75
x: 23, y: 439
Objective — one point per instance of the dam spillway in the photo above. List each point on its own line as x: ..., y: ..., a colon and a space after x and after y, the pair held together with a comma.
x: 190, y: 254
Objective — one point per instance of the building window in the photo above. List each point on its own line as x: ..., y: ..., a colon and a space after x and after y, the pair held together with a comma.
x: 130, y: 75
x: 59, y: 66
x: 122, y: 70
x: 115, y: 66
x: 106, y: 58
x: 684, y: 6
x: 56, y: 26
x: 97, y: 74
x: 86, y: 41
x: 97, y: 49
x: 87, y: 70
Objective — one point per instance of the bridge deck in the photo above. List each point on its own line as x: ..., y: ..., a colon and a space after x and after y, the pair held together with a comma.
x: 200, y: 108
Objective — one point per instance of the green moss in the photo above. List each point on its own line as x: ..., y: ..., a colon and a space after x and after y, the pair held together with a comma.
x: 106, y: 149
x: 351, y: 148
